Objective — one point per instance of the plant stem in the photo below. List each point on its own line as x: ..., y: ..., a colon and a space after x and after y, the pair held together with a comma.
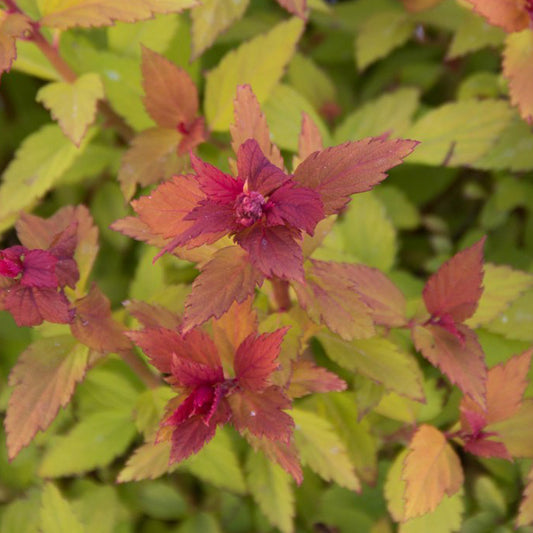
x: 140, y: 368
x: 281, y: 294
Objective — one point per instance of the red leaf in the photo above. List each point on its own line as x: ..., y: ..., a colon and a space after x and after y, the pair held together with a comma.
x: 274, y: 251
x: 455, y: 288
x: 228, y: 277
x: 94, y: 326
x: 386, y: 302
x: 462, y: 361
x: 250, y: 123
x: 310, y: 139
x: 340, y: 171
x: 256, y: 359
x: 484, y: 447
x: 39, y: 269
x: 187, y: 373
x: 30, y: 306
x: 511, y: 15
x: 329, y: 297
x: 431, y: 470
x: 306, y: 378
x: 63, y: 248
x: 261, y: 413
x: 43, y: 378
x: 171, y: 97
x: 153, y: 315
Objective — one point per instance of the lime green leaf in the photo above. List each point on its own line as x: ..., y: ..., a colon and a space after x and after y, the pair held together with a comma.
x: 283, y: 110
x: 378, y: 359
x: 403, y: 213
x: 271, y: 488
x: 149, y: 461
x: 501, y: 286
x: 93, y: 442
x: 474, y: 33
x: 517, y: 432
x: 44, y: 379
x: 85, y: 13
x: 33, y: 62
x: 98, y: 507
x: 162, y: 501
x: 465, y: 132
x: 390, y: 113
x: 398, y: 408
x: 200, y: 523
x: 156, y: 34
x: 210, y: 19
x: 73, y: 105
x: 57, y: 515
x: 217, y: 464
x: 150, y: 408
x: 259, y: 62
x: 322, y: 450
x: 40, y: 161
x: 516, y: 322
x: 19, y: 516
x: 380, y: 34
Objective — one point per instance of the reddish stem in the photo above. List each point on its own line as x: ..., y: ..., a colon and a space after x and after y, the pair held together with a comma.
x: 281, y: 294
x: 11, y: 6
x: 140, y: 368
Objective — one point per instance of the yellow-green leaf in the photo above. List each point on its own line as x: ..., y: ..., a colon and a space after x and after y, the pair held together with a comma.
x: 259, y: 62
x: 458, y: 133
x: 501, y: 286
x: 380, y: 34
x: 516, y: 322
x: 271, y: 488
x: 65, y: 14
x: 378, y: 359
x: 73, y: 105
x: 322, y: 450
x: 148, y: 461
x: 57, y: 515
x: 517, y: 432
x: 210, y: 19
x: 40, y: 161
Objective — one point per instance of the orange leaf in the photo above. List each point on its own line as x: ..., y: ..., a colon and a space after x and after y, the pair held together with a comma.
x: 518, y: 69
x: 419, y: 5
x: 250, y: 123
x: 229, y: 277
x: 431, y: 470
x: 511, y: 15
x: 65, y: 14
x: 43, y: 378
x: 309, y: 141
x: 306, y: 378
x: 12, y: 26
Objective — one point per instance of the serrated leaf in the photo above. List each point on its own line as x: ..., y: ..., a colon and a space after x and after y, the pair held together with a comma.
x: 517, y: 432
x: 466, y: 132
x: 56, y: 513
x: 378, y: 359
x: 217, y: 464
x: 380, y: 34
x: 12, y: 26
x: 231, y: 271
x: 322, y: 450
x: 507, y: 14
x: 210, y: 19
x: 148, y: 461
x: 516, y: 322
x: 431, y: 470
x: 259, y: 62
x: 44, y: 379
x: 94, y: 442
x: 390, y: 113
x: 518, y: 69
x: 271, y: 488
x: 501, y: 286
x: 65, y: 14
x: 306, y: 378
x: 353, y: 167
x: 150, y: 408
x: 525, y: 513
x: 19, y: 516
x: 309, y: 140
x: 40, y: 161
x: 73, y: 105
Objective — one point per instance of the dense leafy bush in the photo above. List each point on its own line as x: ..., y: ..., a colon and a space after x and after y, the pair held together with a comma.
x: 266, y: 266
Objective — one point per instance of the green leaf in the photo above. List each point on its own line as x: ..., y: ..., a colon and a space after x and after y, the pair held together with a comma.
x: 93, y: 442
x: 149, y: 461
x: 322, y: 450
x: 57, y: 515
x: 200, y: 523
x: 378, y: 359
x: 402, y: 213
x: 390, y: 113
x: 458, y: 133
x: 156, y: 34
x: 73, y: 105
x: 39, y: 163
x: 516, y: 322
x: 501, y: 286
x: 380, y: 34
x: 98, y: 507
x: 259, y: 62
x: 19, y: 516
x: 32, y: 61
x: 217, y: 464
x: 271, y: 488
x: 161, y: 500
x: 210, y: 19
x: 283, y: 110
x: 150, y: 408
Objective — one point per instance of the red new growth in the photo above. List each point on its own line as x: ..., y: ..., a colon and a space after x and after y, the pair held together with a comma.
x: 209, y: 397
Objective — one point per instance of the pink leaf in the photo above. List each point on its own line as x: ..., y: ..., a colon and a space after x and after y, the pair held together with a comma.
x: 306, y: 378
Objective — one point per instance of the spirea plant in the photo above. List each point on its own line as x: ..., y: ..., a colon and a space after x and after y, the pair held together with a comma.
x: 266, y: 266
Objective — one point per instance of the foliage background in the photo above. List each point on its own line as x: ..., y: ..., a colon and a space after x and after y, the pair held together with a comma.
x: 361, y: 68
